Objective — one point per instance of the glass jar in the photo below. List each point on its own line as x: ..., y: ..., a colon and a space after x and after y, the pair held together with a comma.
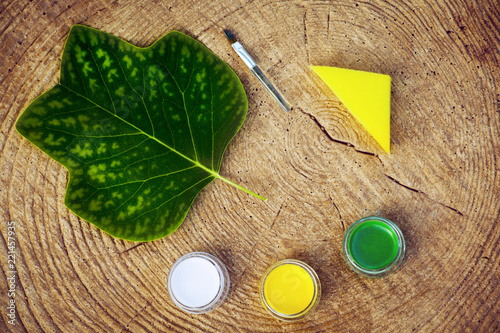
x: 374, y: 247
x: 198, y: 282
x: 290, y: 290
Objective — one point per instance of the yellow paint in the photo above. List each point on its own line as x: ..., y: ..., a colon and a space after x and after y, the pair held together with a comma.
x: 366, y: 95
x: 289, y: 289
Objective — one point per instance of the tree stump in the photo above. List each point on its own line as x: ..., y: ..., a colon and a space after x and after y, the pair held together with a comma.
x: 319, y: 168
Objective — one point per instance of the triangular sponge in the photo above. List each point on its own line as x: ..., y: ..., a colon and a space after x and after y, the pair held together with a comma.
x: 366, y: 95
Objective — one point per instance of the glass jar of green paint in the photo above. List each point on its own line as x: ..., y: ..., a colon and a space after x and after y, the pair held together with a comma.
x: 374, y: 247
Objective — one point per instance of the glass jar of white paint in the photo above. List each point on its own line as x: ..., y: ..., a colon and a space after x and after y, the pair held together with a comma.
x: 198, y: 282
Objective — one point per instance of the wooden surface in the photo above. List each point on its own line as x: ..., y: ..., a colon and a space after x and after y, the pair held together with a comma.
x: 320, y: 170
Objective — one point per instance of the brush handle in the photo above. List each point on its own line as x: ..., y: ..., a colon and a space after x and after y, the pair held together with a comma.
x: 247, y: 59
x: 269, y: 86
x: 243, y: 54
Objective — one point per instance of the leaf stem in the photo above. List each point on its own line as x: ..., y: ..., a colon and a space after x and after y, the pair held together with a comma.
x: 240, y: 187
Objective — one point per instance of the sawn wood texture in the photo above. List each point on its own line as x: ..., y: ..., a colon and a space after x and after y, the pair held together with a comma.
x: 320, y: 170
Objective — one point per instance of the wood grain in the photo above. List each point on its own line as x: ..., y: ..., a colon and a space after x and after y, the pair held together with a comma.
x: 320, y: 170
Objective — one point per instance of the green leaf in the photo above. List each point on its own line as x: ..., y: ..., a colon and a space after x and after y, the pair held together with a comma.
x: 141, y: 130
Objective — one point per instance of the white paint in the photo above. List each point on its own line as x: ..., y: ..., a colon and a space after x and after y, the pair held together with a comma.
x: 195, y: 282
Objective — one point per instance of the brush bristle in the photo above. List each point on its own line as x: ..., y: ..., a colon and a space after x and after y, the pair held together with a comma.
x: 230, y: 36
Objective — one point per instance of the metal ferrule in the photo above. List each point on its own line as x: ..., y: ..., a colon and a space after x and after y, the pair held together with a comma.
x: 244, y: 55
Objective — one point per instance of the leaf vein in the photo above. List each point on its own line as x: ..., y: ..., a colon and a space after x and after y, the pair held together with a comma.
x: 93, y: 136
x: 174, y: 197
x: 145, y: 180
x: 65, y: 113
x: 185, y: 109
x: 120, y: 153
x: 102, y: 78
x: 215, y: 174
x: 142, y: 97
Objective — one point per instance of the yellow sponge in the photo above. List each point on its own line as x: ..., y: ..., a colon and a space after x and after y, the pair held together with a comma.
x: 366, y: 95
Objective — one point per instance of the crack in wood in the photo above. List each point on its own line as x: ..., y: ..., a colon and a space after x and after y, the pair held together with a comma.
x: 133, y: 247
x: 298, y: 171
x: 276, y: 217
x: 345, y: 143
x: 338, y: 211
x: 136, y: 315
x: 328, y: 26
x: 449, y: 207
x: 304, y: 22
x: 260, y: 237
x: 428, y: 196
x: 403, y: 185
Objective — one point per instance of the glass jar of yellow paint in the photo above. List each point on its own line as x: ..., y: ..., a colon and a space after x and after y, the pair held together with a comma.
x: 290, y: 290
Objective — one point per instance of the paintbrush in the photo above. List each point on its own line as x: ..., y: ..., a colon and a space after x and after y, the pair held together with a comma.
x: 247, y: 59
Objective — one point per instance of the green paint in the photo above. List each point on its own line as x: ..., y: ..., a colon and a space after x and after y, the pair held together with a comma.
x: 373, y: 245
x: 141, y: 130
